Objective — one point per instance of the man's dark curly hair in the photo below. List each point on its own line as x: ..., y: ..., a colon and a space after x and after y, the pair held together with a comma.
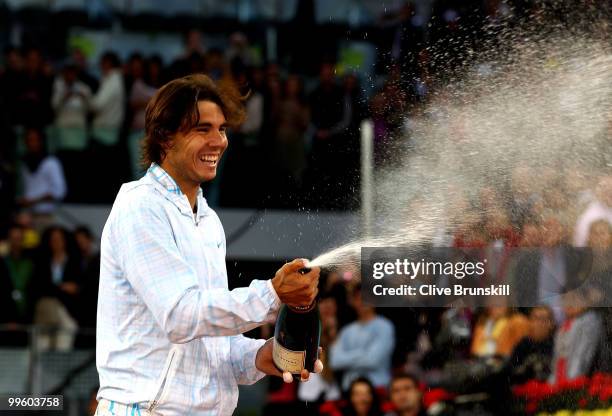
x: 174, y: 108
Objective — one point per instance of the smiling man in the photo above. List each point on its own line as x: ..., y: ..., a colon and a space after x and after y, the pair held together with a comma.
x: 169, y: 330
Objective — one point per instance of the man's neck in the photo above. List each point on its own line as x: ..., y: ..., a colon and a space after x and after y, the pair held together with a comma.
x: 187, y: 187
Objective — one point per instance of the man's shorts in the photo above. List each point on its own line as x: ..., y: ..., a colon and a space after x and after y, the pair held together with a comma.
x: 112, y: 408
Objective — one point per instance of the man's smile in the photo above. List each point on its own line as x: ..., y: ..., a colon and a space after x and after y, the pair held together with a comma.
x: 209, y: 159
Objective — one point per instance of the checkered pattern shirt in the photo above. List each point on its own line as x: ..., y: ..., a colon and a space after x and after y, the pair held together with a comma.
x: 169, y: 329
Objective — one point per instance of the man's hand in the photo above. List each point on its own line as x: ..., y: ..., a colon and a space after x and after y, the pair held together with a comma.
x: 296, y: 289
x: 264, y: 363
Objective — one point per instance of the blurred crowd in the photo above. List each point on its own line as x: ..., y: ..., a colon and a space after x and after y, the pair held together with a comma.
x: 300, y: 143
x: 71, y: 132
x: 382, y: 359
x: 295, y: 139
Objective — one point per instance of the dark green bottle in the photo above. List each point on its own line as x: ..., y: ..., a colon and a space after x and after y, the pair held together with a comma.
x: 296, y: 338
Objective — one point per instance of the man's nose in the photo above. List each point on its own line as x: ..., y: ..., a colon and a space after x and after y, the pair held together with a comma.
x: 218, y: 139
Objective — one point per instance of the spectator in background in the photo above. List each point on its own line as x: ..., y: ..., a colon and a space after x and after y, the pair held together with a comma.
x: 451, y: 342
x: 239, y: 49
x: 362, y: 399
x: 578, y: 186
x: 58, y: 268
x: 273, y: 94
x: 578, y: 339
x: 42, y: 177
x: 139, y: 96
x: 600, y: 285
x: 532, y: 356
x: 107, y: 104
x: 19, y: 271
x: 522, y: 195
x: 387, y: 108
x: 7, y: 189
x: 600, y: 276
x: 600, y: 209
x: 291, y: 122
x: 83, y: 75
x: 326, y: 102
x: 327, y: 111
x: 500, y: 248
x: 541, y: 275
x: 215, y: 65
x: 10, y: 317
x: 58, y: 277
x: 31, y: 236
x: 33, y: 104
x: 406, y: 396
x: 8, y: 307
x: 246, y: 151
x: 88, y: 256
x: 70, y: 102
x: 11, y: 79
x: 89, y: 277
x: 354, y: 113
x: 155, y: 74
x: 254, y: 110
x: 498, y: 330
x: 364, y: 347
x: 192, y: 59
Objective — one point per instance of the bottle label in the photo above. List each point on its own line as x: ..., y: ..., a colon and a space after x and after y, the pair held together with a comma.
x: 288, y: 360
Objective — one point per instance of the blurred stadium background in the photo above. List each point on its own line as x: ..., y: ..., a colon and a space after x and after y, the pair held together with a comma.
x: 75, y: 77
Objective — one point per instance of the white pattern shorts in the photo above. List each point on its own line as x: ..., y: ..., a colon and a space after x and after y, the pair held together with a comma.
x: 113, y: 408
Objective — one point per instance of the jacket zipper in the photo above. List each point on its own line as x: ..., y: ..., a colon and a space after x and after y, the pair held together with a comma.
x: 160, y: 391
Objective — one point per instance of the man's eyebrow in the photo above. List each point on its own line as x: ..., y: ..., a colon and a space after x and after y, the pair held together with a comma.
x: 209, y: 124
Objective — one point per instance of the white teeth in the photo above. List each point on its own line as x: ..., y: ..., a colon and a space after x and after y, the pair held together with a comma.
x: 209, y: 159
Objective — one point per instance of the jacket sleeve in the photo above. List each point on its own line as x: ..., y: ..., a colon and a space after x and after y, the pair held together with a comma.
x: 243, y: 352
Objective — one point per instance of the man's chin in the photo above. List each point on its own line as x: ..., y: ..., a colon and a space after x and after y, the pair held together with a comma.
x: 208, y: 177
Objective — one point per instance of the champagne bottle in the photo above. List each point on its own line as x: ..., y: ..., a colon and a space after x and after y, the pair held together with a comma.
x: 296, y: 338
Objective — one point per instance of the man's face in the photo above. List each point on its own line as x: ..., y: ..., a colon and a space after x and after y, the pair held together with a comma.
x: 405, y: 395
x: 194, y: 155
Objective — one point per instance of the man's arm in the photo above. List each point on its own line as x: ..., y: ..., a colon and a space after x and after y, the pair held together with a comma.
x: 143, y: 242
x: 243, y: 352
